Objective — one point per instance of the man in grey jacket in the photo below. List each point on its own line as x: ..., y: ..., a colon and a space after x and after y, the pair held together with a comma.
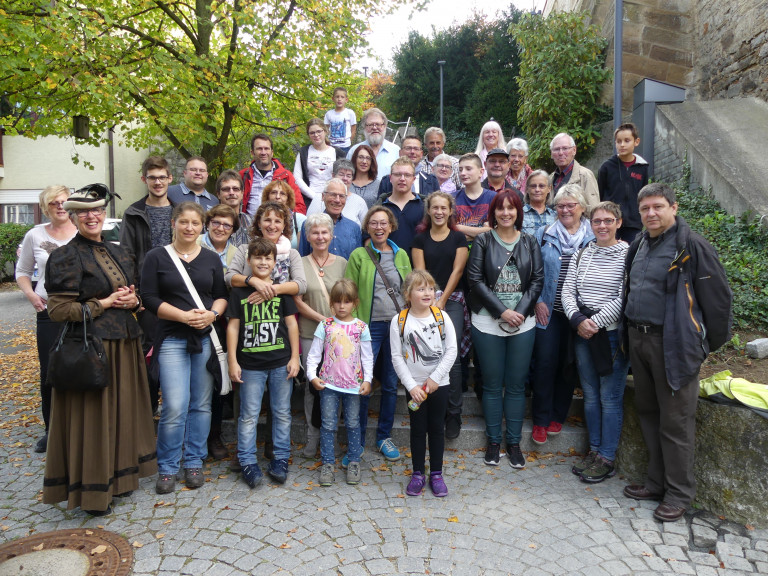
x: 678, y: 308
x: 568, y: 171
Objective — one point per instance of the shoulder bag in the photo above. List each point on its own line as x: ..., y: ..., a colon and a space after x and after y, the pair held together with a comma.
x: 380, y: 270
x: 77, y: 362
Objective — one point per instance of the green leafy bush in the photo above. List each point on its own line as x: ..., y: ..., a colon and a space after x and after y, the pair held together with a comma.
x: 741, y: 243
x: 561, y: 77
x: 11, y: 236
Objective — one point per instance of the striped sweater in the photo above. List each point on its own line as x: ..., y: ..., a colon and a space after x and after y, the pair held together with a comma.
x: 597, y: 281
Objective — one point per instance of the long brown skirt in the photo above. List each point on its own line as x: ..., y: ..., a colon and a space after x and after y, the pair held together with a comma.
x: 101, y: 443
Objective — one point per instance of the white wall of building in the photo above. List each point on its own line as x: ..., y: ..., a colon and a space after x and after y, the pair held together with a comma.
x: 29, y: 165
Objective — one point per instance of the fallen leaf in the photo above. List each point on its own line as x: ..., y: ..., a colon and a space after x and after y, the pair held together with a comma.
x: 215, y: 498
x: 38, y: 547
x: 453, y: 519
x: 89, y: 532
x: 749, y: 526
x: 284, y: 545
x: 168, y: 521
x: 338, y: 545
x: 160, y: 535
x: 400, y: 496
x: 398, y: 510
x: 100, y: 549
x: 531, y: 545
x: 137, y: 544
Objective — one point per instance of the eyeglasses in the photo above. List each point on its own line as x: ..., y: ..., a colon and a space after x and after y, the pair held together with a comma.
x: 278, y: 194
x: 223, y: 225
x: 508, y: 328
x: 497, y: 160
x: 231, y: 189
x: 334, y: 195
x: 364, y: 158
x: 92, y: 211
x: 316, y: 132
x: 561, y: 149
x: 411, y: 148
x: 157, y: 178
x: 569, y: 207
x: 378, y: 224
x: 197, y: 170
x: 606, y: 221
x: 399, y: 175
x: 56, y: 204
x: 444, y: 167
x: 374, y: 124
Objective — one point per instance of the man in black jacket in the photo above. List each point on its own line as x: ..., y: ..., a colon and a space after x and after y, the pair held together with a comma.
x: 678, y: 308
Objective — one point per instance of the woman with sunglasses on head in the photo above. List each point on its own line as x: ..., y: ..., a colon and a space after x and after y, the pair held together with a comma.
x: 101, y: 441
x: 536, y: 209
x: 554, y: 375
x: 38, y: 244
x: 506, y: 275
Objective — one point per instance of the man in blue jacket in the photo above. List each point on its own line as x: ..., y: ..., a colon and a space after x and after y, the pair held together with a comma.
x: 678, y: 308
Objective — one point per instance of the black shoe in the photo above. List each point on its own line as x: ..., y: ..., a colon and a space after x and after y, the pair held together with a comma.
x: 452, y: 426
x: 492, y: 454
x: 98, y: 513
x: 515, y: 455
x: 42, y: 445
x: 124, y: 494
x: 216, y: 448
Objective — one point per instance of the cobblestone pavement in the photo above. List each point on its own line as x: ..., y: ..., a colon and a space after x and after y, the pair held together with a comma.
x: 536, y: 521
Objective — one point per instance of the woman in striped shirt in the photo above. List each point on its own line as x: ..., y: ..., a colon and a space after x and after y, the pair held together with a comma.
x: 592, y: 298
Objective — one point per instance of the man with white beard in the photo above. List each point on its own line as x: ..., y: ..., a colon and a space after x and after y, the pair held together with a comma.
x: 374, y: 123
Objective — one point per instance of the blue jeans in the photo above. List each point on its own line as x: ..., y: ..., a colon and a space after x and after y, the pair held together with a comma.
x: 380, y: 344
x: 329, y: 410
x: 504, y: 361
x: 554, y: 372
x: 603, y: 396
x: 187, y: 388
x: 251, y: 393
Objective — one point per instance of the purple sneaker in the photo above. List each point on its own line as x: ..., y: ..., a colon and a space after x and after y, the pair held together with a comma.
x: 416, y: 485
x: 437, y: 484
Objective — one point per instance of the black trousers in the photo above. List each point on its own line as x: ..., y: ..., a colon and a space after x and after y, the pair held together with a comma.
x: 429, y: 419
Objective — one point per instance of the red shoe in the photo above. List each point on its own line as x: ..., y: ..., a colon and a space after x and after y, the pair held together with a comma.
x: 539, y: 435
x: 554, y: 428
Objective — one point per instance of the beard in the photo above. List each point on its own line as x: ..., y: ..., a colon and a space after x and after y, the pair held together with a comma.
x: 375, y: 139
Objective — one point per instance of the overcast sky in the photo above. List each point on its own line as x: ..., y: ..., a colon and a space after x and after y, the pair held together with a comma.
x: 389, y: 32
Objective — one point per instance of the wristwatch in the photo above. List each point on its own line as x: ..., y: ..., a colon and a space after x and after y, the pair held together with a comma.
x: 248, y: 280
x: 215, y: 315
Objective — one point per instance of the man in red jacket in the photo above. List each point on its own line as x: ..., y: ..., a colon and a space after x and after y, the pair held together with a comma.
x: 263, y: 170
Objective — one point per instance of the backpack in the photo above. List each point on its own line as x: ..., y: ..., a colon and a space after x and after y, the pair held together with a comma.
x: 436, y: 313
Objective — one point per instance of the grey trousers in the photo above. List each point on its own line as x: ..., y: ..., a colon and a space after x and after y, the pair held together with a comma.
x: 667, y: 420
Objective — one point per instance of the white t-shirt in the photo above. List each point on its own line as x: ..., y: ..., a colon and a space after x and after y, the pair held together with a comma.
x: 35, y: 249
x: 320, y: 168
x: 341, y: 126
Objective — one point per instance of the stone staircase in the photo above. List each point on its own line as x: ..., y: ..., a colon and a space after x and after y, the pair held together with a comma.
x: 472, y: 437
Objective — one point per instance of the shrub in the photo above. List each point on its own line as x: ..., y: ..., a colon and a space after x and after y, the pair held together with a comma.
x: 11, y: 236
x: 561, y: 77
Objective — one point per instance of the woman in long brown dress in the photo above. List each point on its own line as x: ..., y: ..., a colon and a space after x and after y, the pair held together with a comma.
x: 100, y: 442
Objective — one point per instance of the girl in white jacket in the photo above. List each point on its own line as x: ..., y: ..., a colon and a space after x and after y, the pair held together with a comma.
x: 423, y: 345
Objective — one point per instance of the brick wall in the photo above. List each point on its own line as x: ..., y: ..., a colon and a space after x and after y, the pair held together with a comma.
x: 732, y: 49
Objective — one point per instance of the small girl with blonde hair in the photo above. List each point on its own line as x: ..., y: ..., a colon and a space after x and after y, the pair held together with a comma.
x: 423, y: 344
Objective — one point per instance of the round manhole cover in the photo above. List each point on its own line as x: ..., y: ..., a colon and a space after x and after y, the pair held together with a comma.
x: 78, y: 552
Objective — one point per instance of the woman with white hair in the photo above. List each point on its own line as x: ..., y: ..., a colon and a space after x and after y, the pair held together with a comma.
x: 517, y: 148
x: 38, y: 244
x: 490, y: 137
x: 442, y: 168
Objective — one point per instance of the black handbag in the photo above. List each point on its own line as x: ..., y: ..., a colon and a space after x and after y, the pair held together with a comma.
x: 77, y: 362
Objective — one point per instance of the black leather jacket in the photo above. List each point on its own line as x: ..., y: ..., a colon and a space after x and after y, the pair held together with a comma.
x: 488, y: 257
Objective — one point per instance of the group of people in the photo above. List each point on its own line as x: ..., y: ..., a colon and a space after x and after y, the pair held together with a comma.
x: 377, y: 262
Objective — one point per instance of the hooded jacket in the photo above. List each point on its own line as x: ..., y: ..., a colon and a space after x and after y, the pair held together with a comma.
x: 621, y: 184
x: 279, y: 172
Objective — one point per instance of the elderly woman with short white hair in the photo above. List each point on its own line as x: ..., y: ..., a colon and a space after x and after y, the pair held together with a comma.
x: 442, y: 168
x: 322, y: 270
x: 519, y: 170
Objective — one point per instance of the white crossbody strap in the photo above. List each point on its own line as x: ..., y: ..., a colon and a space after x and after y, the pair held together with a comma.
x: 192, y: 290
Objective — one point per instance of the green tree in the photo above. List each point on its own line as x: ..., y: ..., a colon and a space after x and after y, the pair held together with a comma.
x: 478, y: 82
x: 561, y: 77
x: 189, y: 73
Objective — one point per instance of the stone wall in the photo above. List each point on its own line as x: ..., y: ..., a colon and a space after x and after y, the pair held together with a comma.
x: 731, y: 462
x: 731, y: 49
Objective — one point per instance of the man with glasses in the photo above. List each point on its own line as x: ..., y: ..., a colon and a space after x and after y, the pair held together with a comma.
x: 346, y: 234
x: 568, y: 171
x: 423, y: 184
x: 405, y: 205
x: 355, y: 207
x: 497, y: 167
x: 374, y: 123
x: 229, y: 189
x: 192, y: 189
x: 434, y: 140
x: 146, y: 225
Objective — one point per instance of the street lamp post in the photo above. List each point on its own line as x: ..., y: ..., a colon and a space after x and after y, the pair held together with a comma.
x: 441, y: 63
x: 618, y: 33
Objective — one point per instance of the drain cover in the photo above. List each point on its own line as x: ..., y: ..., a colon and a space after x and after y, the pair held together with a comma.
x: 78, y: 552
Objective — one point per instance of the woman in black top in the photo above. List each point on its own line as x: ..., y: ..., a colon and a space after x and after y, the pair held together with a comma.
x: 183, y: 345
x: 437, y: 240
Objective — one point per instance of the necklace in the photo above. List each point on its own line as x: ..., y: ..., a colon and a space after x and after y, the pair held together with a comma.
x: 320, y: 267
x: 185, y: 255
